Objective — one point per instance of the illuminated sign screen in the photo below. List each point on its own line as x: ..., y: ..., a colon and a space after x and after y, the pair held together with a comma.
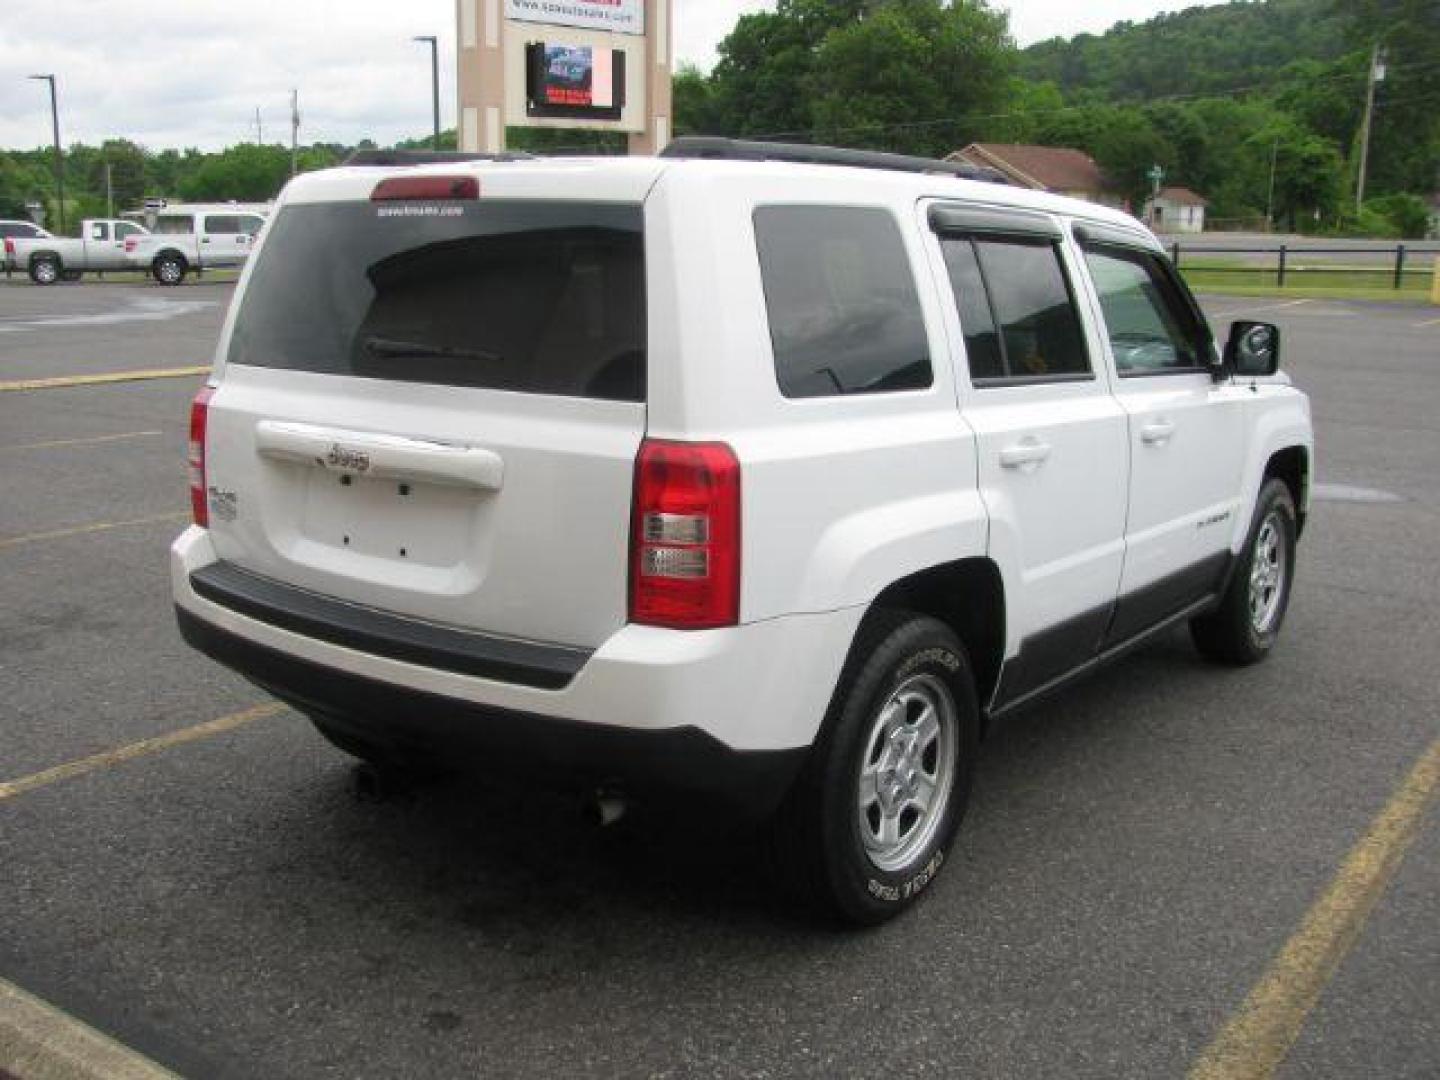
x: 575, y: 82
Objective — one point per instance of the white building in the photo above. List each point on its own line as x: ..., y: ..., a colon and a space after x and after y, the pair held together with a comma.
x: 1176, y: 210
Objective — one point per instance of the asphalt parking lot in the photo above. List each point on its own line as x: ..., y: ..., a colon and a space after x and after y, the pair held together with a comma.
x: 1137, y: 855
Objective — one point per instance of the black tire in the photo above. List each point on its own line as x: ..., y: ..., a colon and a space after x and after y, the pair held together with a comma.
x: 1233, y: 633
x: 45, y: 270
x: 818, y: 837
x: 169, y: 268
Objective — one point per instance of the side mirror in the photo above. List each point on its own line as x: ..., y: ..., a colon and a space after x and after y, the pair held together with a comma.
x: 1253, y: 348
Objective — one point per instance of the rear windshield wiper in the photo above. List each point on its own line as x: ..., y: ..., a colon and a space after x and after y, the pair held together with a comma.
x: 394, y: 349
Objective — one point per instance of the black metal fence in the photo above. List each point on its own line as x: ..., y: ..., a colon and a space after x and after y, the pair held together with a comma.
x: 1392, y: 267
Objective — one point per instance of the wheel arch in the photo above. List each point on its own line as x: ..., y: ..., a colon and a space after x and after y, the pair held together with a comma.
x: 163, y: 252
x: 49, y: 254
x: 967, y: 595
x: 1292, y: 465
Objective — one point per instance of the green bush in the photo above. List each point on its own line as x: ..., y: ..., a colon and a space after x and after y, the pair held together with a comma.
x: 1408, y: 216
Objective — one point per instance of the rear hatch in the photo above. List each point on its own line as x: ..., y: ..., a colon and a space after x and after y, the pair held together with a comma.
x: 433, y: 406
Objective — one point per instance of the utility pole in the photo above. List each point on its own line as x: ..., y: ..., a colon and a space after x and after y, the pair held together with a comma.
x: 434, y: 83
x: 59, y: 159
x: 1376, y: 75
x: 294, y: 133
x: 109, y: 193
x: 259, y: 131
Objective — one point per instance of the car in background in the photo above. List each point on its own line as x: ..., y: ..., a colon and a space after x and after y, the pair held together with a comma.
x: 17, y: 230
x: 100, y: 247
x: 196, y: 237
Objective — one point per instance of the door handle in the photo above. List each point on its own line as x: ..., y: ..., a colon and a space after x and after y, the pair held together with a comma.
x: 205, y: 239
x: 1157, y: 432
x: 1027, y: 453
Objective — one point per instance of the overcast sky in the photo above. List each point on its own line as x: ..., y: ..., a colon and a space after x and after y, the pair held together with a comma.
x: 192, y: 72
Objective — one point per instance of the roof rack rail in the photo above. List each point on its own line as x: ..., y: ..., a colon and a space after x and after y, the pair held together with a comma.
x: 720, y: 149
x: 430, y: 157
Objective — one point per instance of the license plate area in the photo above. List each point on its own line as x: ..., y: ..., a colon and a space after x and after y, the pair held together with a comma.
x: 418, y: 524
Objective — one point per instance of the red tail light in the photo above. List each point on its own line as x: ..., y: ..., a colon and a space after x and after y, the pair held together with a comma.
x: 195, y: 458
x: 9, y: 246
x: 426, y: 188
x: 685, y: 536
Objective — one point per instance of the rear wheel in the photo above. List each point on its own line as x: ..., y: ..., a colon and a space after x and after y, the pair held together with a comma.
x: 1246, y: 625
x: 45, y: 270
x: 869, y: 822
x: 168, y: 269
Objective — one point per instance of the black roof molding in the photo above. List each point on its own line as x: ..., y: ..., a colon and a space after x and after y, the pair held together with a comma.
x: 718, y: 149
x: 393, y: 158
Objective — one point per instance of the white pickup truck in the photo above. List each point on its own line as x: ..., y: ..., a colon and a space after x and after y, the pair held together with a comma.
x: 195, y: 237
x: 100, y: 246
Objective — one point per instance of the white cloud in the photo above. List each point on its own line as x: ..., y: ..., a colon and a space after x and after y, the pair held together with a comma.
x: 192, y: 72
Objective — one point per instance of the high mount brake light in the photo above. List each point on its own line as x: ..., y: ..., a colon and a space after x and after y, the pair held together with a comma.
x: 195, y: 456
x: 426, y: 189
x: 685, y: 536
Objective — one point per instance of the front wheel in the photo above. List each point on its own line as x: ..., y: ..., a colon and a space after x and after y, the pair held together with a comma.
x: 168, y: 269
x: 869, y: 823
x: 1246, y: 625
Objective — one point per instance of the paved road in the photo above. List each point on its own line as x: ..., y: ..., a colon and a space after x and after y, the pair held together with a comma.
x: 95, y: 326
x: 1137, y: 853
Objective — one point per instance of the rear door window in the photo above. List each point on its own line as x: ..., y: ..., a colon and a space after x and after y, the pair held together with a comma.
x: 530, y: 297
x: 844, y: 312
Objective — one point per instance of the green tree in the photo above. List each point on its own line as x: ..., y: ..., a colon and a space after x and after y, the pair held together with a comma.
x: 127, y: 173
x: 246, y: 173
x: 694, y: 102
x: 915, y: 76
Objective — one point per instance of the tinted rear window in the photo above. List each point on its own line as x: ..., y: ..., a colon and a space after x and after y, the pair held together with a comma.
x: 542, y: 298
x: 174, y: 225
x: 844, y: 312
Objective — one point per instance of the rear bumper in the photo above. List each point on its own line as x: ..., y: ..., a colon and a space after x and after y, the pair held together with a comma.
x: 703, y: 711
x: 677, y: 761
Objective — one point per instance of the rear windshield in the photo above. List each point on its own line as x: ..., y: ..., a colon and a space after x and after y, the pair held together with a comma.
x: 533, y: 297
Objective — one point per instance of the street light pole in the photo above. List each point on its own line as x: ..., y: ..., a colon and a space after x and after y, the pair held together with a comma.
x: 434, y: 82
x: 59, y: 161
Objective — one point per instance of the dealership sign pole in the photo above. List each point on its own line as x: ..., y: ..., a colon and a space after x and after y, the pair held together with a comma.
x: 598, y: 65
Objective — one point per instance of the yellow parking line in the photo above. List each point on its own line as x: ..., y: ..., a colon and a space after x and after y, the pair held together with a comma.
x: 38, y: 1040
x: 1258, y: 1037
x: 94, y: 440
x: 81, y: 530
x: 58, y: 381
x: 72, y: 769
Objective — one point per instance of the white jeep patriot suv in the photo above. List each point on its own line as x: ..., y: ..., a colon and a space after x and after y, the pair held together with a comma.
x: 767, y: 475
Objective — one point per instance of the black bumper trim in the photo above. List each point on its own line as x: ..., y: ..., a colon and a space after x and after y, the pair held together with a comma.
x: 527, y: 663
x: 413, y: 723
